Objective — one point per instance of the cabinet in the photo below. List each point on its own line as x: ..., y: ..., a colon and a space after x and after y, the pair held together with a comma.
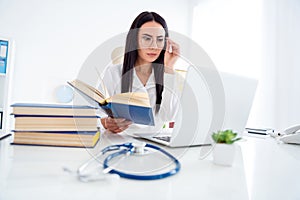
x: 5, y: 72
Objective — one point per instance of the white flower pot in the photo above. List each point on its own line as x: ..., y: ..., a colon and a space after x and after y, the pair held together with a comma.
x: 223, y: 154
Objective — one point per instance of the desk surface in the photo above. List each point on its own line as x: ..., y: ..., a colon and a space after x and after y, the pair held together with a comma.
x: 263, y: 169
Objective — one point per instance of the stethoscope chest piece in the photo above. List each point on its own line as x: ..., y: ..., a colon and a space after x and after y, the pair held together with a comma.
x: 139, y: 149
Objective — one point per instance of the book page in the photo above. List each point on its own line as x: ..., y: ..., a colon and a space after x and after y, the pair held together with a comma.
x: 88, y: 90
x: 131, y: 98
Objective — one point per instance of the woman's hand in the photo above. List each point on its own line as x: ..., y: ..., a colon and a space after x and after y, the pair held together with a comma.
x: 115, y: 125
x: 171, y: 55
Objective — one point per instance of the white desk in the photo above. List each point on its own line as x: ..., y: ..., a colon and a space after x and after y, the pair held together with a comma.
x: 262, y: 169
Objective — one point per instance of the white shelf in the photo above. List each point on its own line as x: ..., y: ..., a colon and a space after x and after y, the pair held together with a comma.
x: 5, y: 80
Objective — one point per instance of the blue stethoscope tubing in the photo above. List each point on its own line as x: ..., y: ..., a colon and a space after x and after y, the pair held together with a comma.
x: 129, y: 147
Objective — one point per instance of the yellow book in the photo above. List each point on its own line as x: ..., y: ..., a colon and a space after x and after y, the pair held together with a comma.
x: 57, y: 138
x: 52, y: 109
x: 55, y: 123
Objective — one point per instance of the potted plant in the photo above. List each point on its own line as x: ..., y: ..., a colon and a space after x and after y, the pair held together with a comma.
x: 224, y: 149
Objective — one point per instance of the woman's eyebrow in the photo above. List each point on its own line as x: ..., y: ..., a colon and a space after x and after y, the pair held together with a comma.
x: 146, y: 34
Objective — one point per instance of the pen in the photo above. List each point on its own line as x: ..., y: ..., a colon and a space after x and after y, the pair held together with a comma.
x: 5, y: 136
x: 266, y: 131
x: 258, y: 129
x: 260, y: 133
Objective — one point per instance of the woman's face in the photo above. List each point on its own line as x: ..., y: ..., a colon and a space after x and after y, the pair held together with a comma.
x: 151, y: 40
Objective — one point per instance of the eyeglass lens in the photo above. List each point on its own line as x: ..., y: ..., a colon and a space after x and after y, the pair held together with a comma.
x: 147, y: 41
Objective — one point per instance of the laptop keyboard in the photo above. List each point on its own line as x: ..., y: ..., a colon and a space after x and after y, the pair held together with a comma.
x: 163, y: 138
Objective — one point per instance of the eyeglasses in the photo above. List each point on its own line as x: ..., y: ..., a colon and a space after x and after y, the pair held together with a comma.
x: 147, y: 41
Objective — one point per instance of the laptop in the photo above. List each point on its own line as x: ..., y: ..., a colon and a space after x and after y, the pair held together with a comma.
x: 209, y: 102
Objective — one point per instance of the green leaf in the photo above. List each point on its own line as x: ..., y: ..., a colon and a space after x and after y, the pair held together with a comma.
x: 226, y: 136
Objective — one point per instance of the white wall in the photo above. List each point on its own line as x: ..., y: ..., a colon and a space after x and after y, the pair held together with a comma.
x: 282, y: 62
x: 230, y: 32
x: 53, y: 37
x: 259, y: 39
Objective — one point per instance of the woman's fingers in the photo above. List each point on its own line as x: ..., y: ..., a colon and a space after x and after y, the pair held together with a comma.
x: 173, y: 47
x: 116, y: 125
x: 118, y: 122
x: 171, y: 55
x: 168, y: 46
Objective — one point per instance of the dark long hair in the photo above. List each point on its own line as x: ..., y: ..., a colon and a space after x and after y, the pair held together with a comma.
x: 131, y: 55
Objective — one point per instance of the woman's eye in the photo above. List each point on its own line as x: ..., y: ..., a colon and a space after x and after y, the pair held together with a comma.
x: 147, y: 38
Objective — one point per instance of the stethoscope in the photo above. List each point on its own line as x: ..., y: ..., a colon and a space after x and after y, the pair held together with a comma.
x: 127, y: 149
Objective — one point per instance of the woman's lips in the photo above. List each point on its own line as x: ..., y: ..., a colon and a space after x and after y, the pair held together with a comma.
x: 152, y: 54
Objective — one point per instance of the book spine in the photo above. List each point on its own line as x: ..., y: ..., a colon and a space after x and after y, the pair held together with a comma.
x: 108, y: 110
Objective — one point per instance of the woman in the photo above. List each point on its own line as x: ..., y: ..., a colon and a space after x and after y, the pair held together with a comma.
x: 149, y: 54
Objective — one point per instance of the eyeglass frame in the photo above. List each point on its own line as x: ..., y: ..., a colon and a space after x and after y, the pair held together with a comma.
x: 152, y: 38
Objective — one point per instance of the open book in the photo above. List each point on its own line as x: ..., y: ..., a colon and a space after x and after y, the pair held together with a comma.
x: 131, y: 106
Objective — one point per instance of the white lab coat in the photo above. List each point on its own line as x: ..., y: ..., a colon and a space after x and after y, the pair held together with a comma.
x: 170, y: 97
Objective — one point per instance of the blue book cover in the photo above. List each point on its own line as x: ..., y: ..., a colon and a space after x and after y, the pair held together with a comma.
x: 136, y: 114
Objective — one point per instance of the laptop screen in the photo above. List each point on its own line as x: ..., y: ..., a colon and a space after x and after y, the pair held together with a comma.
x: 212, y: 101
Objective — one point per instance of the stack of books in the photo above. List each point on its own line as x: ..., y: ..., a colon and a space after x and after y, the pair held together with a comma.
x: 55, y: 125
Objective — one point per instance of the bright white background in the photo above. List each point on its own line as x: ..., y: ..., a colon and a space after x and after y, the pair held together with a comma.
x: 260, y: 39
x: 257, y: 38
x: 54, y: 37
